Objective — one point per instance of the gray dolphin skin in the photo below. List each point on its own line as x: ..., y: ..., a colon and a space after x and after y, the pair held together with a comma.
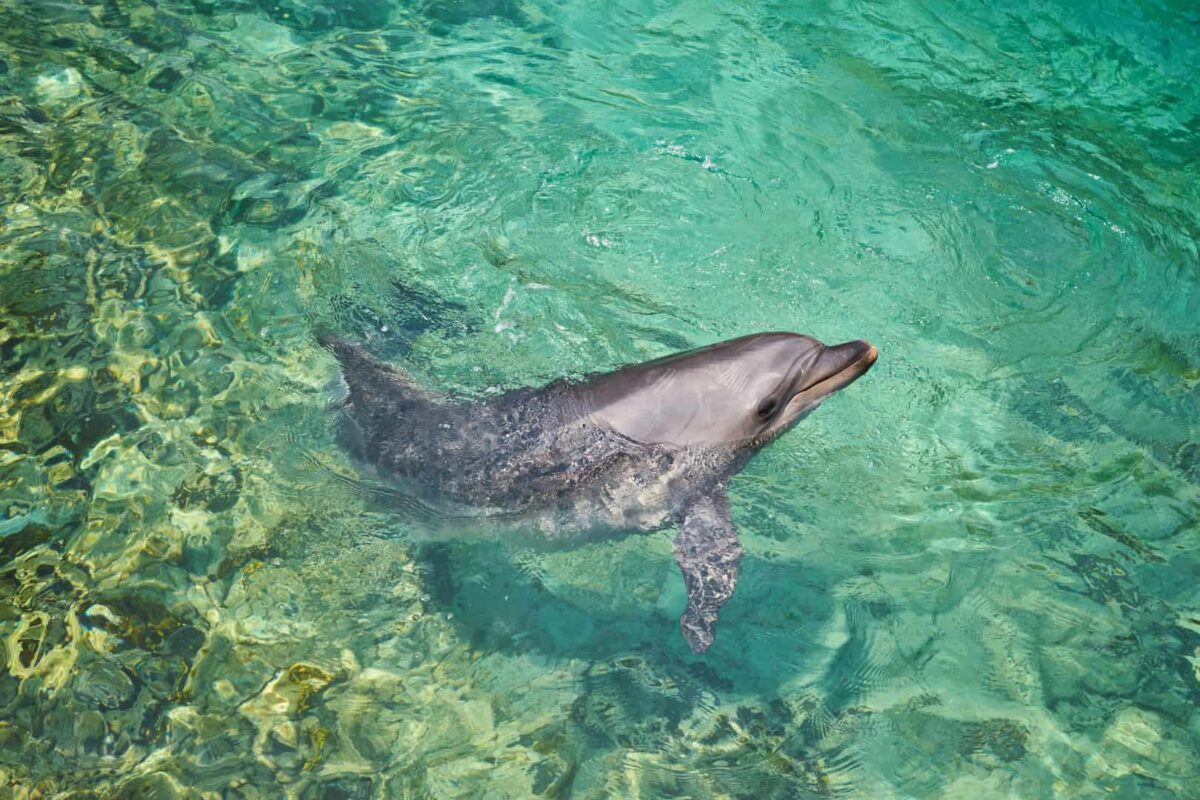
x: 638, y: 448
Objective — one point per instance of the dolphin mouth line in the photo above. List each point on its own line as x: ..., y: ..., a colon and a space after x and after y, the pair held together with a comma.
x: 838, y: 380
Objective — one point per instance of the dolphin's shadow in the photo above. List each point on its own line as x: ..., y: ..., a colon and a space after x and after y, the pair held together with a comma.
x: 764, y: 713
x: 768, y: 632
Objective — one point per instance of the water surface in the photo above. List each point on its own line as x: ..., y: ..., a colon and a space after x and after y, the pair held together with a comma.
x: 973, y: 574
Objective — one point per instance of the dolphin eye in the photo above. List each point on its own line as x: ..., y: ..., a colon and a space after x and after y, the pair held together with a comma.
x: 767, y: 408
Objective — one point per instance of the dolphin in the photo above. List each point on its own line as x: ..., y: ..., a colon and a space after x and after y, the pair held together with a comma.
x: 638, y: 448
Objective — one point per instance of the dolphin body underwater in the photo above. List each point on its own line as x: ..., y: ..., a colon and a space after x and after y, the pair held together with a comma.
x: 638, y: 448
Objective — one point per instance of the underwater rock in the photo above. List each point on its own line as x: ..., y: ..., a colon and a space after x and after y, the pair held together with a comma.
x: 214, y: 488
x: 272, y: 200
x: 102, y: 684
x: 156, y: 785
x: 60, y: 87
x: 267, y: 605
x: 165, y: 79
x: 89, y: 734
x: 390, y: 729
x: 289, y: 738
x: 1000, y: 739
x: 1140, y: 743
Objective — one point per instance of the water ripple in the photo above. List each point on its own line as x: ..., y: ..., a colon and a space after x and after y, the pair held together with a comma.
x: 973, y: 578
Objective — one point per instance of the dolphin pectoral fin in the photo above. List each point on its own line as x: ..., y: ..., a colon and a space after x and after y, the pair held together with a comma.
x: 707, y: 551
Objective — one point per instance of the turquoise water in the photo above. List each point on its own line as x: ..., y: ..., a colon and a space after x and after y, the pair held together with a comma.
x: 974, y: 574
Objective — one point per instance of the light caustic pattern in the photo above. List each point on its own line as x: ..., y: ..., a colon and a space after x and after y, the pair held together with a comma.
x: 971, y: 575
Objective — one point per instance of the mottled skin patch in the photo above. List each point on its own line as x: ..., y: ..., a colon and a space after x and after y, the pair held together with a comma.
x: 635, y: 449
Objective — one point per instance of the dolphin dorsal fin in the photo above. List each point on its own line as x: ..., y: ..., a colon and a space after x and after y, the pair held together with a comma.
x: 371, y: 379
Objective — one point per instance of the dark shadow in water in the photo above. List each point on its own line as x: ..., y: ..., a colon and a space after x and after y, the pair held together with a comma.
x: 642, y: 688
x: 498, y: 606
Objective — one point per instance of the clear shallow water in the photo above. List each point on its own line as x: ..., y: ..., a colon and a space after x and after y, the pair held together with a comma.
x: 974, y: 574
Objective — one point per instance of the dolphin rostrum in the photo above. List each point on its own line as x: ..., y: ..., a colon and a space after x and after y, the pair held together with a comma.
x: 637, y: 448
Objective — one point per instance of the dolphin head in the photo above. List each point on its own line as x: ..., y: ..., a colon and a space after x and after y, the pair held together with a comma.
x: 739, y: 393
